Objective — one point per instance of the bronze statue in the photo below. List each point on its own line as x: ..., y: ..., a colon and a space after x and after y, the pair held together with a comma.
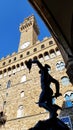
x: 46, y: 96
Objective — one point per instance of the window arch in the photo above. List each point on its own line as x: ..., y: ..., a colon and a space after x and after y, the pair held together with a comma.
x: 20, y: 111
x: 46, y: 55
x: 21, y: 55
x: 5, y: 72
x: 22, y: 65
x: 35, y: 58
x: 9, y: 60
x: 14, y: 58
x: 41, y: 57
x: 60, y: 65
x: 4, y: 63
x: 35, y: 49
x: 52, y: 53
x: 23, y: 79
x: 22, y: 93
x: 28, y: 52
x: 65, y: 81
x: 14, y: 68
x: 9, y: 70
x: 50, y: 42
x: 57, y: 51
x: 42, y: 46
x: 68, y: 97
x: 18, y: 67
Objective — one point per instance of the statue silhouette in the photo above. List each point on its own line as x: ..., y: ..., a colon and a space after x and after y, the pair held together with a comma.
x: 46, y: 96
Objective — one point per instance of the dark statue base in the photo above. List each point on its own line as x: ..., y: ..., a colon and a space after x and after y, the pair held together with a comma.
x: 50, y: 124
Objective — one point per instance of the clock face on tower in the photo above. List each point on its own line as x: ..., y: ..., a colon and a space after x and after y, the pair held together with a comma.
x: 25, y: 45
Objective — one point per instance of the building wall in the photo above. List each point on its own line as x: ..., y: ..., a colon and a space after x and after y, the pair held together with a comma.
x: 24, y: 89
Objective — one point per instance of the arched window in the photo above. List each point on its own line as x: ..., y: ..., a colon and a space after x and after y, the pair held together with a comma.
x: 22, y: 93
x: 52, y: 53
x: 18, y: 67
x: 35, y: 49
x: 23, y: 79
x: 5, y: 72
x: 14, y: 58
x: 60, y: 65
x: 9, y: 70
x: 14, y: 68
x: 10, y: 61
x: 21, y: 55
x: 22, y: 65
x: 28, y: 52
x: 35, y: 58
x: 20, y: 111
x: 42, y: 46
x: 8, y: 84
x: 50, y: 42
x: 46, y: 56
x: 4, y: 63
x: 68, y: 99
x: 65, y: 81
x: 40, y: 57
x: 57, y: 51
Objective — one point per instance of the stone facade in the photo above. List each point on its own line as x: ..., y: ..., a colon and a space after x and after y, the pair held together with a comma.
x: 20, y: 90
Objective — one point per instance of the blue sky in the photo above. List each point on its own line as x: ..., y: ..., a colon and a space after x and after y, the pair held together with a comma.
x: 12, y: 13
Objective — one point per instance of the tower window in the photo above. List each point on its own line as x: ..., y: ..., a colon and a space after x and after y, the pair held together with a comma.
x: 50, y: 42
x: 10, y: 61
x: 22, y: 64
x: 28, y: 52
x: 14, y: 58
x: 4, y: 63
x: 35, y: 49
x: 21, y: 56
x: 42, y: 46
